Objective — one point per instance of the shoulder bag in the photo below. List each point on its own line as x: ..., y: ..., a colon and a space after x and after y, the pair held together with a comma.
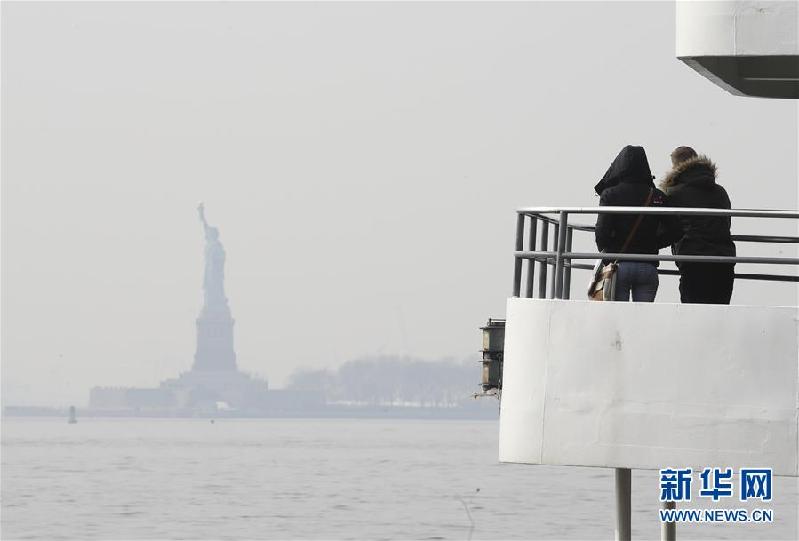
x: 603, y: 283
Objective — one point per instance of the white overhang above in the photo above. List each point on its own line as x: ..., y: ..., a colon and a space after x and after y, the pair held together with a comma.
x: 749, y: 48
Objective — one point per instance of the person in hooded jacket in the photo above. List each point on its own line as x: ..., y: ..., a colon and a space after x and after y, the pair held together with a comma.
x: 628, y: 183
x: 692, y: 183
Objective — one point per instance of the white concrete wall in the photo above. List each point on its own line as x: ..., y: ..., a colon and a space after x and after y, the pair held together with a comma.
x: 732, y: 28
x: 650, y: 385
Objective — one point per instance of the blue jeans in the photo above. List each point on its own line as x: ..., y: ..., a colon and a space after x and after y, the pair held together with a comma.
x: 640, y: 279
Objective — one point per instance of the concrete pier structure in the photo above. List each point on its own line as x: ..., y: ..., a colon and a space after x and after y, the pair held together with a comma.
x: 649, y: 385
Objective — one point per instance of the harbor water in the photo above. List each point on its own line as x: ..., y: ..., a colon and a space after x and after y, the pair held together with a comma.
x: 315, y: 479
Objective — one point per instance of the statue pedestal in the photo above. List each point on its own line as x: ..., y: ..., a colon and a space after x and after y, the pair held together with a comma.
x: 215, y: 341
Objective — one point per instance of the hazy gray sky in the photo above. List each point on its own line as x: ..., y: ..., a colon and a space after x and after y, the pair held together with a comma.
x: 362, y: 161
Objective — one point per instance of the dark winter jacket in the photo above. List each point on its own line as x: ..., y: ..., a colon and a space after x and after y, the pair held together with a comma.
x: 692, y: 183
x: 627, y: 183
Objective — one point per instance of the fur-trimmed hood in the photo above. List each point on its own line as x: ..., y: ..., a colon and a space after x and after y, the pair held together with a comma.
x: 698, y: 171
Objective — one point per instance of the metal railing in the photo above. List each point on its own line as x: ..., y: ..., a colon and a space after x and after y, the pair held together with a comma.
x: 536, y: 222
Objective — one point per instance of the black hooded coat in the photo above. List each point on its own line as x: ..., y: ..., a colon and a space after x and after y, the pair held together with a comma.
x: 692, y: 183
x: 627, y: 183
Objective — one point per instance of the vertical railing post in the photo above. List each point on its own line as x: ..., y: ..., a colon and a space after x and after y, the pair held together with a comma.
x: 531, y: 239
x: 560, y: 247
x: 542, y: 264
x: 553, y: 281
x: 517, y: 264
x: 567, y: 278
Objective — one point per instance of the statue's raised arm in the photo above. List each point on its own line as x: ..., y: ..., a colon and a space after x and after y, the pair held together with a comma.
x: 201, y: 211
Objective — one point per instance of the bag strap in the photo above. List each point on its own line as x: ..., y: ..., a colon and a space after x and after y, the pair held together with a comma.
x: 637, y: 222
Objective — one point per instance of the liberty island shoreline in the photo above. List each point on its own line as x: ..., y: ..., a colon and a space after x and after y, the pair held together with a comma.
x: 480, y: 410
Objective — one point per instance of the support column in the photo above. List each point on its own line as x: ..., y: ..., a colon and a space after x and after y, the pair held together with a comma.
x: 623, y: 504
x: 668, y: 530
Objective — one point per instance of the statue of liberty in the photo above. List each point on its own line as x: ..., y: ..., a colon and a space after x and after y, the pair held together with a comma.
x: 215, y: 324
x: 214, y: 277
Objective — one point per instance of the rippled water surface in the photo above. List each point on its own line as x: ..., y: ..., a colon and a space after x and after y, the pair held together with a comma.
x: 313, y: 479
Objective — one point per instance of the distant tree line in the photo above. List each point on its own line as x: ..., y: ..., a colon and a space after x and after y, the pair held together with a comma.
x: 398, y: 381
